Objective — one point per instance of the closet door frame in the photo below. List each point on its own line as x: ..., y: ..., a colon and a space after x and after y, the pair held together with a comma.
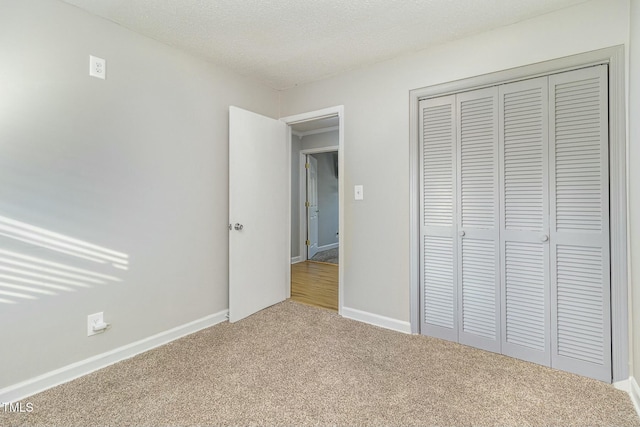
x: 614, y: 57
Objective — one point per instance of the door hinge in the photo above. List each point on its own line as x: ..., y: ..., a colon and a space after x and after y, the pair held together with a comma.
x: 308, y: 243
x: 306, y: 165
x: 306, y: 204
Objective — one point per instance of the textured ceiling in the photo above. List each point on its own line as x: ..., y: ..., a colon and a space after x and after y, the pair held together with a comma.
x: 284, y: 43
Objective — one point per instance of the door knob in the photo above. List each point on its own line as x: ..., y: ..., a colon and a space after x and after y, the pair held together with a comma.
x: 238, y: 226
x: 544, y: 238
x: 461, y: 233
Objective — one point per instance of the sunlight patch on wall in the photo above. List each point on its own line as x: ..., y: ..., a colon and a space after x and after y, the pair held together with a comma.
x: 27, y: 277
x: 58, y: 242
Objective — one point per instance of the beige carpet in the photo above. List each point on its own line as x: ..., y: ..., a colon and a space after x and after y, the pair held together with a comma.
x: 298, y: 365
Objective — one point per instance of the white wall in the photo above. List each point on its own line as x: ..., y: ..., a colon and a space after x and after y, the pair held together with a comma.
x: 320, y: 140
x: 376, y: 152
x: 137, y: 163
x: 328, y: 217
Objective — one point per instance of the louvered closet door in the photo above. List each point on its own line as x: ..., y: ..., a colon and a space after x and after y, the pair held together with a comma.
x: 524, y: 231
x: 580, y: 283
x: 478, y: 226
x: 437, y: 189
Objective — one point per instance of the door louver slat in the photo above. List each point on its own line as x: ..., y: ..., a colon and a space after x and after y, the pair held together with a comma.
x: 438, y: 166
x: 577, y: 154
x: 477, y: 152
x: 523, y: 169
x: 478, y: 289
x: 525, y: 294
x: 438, y: 278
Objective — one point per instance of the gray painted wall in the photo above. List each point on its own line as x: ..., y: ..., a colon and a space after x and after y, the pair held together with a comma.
x: 634, y: 189
x: 328, y: 218
x: 376, y: 244
x: 136, y: 163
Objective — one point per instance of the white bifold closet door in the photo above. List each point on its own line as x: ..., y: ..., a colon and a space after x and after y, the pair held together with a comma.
x: 439, y: 296
x: 515, y: 230
x: 524, y: 219
x: 477, y: 218
x: 579, y: 175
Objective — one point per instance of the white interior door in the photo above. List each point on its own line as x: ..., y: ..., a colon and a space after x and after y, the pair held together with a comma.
x: 258, y: 210
x: 312, y: 206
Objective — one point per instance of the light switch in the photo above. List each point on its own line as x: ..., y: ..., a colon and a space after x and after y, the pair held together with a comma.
x: 358, y: 192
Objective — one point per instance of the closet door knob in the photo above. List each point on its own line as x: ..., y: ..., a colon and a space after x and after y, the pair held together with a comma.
x: 461, y: 233
x: 544, y: 238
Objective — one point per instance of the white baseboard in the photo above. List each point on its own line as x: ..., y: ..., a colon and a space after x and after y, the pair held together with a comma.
x: 624, y: 385
x: 70, y: 372
x: 376, y: 320
x: 327, y: 247
x: 630, y: 386
x: 634, y: 392
x: 296, y: 259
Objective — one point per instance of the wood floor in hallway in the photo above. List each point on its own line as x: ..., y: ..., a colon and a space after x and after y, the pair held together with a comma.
x: 315, y: 283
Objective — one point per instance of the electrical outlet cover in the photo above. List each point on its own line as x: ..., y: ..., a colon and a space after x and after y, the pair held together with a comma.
x: 97, y: 67
x: 92, y: 319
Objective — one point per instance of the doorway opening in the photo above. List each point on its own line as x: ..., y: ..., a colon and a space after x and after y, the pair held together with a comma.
x: 317, y: 208
x: 319, y: 205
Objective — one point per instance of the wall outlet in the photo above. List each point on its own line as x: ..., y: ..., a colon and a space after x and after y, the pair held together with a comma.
x: 97, y: 67
x: 95, y: 320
